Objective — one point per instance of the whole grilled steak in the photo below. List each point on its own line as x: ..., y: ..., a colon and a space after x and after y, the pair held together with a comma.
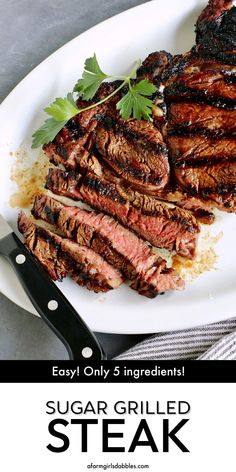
x: 61, y: 257
x: 165, y: 227
x: 198, y: 93
x: 119, y: 246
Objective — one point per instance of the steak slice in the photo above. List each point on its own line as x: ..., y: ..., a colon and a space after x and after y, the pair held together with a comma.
x: 61, y: 257
x: 164, y: 226
x: 198, y: 150
x: 213, y: 87
x: 215, y: 181
x: 192, y: 118
x: 135, y: 150
x: 119, y: 246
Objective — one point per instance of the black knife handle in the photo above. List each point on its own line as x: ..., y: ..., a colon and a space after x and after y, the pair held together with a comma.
x: 50, y: 303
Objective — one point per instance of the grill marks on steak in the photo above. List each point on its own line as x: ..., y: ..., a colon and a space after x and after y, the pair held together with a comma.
x: 198, y: 150
x: 170, y: 228
x: 211, y: 87
x: 61, y: 257
x: 192, y: 118
x: 205, y: 165
x: 120, y: 247
x: 135, y: 150
x: 216, y: 182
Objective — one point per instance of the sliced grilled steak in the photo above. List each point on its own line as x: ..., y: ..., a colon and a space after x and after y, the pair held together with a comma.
x: 61, y: 257
x: 164, y: 226
x: 133, y: 148
x: 202, y: 210
x: 119, y: 246
x: 201, y: 141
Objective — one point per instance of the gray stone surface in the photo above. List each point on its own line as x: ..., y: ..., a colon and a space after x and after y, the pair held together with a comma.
x: 30, y: 31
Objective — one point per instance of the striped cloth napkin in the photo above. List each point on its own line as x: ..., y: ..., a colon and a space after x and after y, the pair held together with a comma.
x: 212, y: 342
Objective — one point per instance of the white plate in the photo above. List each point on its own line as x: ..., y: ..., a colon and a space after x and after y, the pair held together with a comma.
x: 118, y: 42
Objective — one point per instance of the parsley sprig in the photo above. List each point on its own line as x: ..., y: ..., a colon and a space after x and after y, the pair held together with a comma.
x: 135, y: 103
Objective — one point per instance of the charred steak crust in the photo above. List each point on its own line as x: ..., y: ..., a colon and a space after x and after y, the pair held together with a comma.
x: 61, y: 257
x: 154, y: 65
x: 216, y: 27
x: 169, y: 228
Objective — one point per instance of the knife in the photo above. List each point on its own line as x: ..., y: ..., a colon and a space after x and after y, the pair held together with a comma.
x: 48, y: 300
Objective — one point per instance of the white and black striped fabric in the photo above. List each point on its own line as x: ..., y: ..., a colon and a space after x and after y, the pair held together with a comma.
x: 212, y: 342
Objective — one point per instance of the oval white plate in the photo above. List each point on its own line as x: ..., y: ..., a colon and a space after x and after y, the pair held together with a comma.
x: 118, y: 42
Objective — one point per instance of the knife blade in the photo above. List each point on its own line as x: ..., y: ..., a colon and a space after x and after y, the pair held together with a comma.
x: 49, y: 301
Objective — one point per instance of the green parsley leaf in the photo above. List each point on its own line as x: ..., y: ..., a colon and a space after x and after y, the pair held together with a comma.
x: 63, y: 109
x: 144, y: 87
x: 125, y: 106
x: 88, y: 86
x: 91, y: 80
x: 47, y: 132
x: 91, y: 65
x: 135, y: 103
